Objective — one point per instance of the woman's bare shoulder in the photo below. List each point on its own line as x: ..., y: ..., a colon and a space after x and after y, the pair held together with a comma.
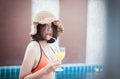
x: 33, y: 44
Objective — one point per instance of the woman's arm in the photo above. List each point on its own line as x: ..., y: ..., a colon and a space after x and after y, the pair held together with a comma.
x: 28, y: 61
x: 44, y: 71
x: 28, y: 64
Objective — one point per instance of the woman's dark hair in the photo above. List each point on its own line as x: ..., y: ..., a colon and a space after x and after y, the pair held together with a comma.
x: 38, y: 35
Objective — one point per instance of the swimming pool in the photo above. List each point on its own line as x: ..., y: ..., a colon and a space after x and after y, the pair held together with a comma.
x: 70, y: 71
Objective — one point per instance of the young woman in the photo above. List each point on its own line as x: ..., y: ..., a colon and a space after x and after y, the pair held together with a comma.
x: 39, y: 61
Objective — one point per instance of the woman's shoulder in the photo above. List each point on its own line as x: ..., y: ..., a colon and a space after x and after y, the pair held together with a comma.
x: 33, y: 45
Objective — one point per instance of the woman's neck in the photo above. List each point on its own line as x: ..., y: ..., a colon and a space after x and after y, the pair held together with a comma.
x: 43, y: 43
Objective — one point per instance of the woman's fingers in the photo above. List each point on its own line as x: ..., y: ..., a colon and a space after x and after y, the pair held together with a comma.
x: 53, y: 66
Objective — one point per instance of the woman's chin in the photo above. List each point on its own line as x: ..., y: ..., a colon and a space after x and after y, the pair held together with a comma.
x: 48, y: 37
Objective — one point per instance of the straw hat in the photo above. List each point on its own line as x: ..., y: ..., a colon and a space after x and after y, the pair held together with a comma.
x: 44, y: 17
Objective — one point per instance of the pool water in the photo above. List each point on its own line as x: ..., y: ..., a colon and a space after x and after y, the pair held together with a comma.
x: 70, y: 71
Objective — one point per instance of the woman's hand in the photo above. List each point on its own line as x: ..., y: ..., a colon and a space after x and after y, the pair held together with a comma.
x: 52, y: 66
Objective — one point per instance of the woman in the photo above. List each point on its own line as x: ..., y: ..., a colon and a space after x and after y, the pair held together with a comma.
x: 39, y: 61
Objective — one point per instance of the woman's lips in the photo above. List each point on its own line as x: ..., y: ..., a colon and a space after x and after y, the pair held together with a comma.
x: 49, y: 34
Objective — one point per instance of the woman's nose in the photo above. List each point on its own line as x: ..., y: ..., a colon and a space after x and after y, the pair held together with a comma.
x: 49, y: 28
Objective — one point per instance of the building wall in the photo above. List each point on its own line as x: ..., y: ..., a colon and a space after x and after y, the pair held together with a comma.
x: 96, y: 31
x: 74, y: 17
x: 14, y: 30
x: 15, y: 25
x: 112, y: 55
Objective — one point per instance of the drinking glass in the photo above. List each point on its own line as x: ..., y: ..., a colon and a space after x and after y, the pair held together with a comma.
x: 60, y: 54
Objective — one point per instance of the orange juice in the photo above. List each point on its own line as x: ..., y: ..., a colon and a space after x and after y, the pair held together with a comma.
x: 60, y: 56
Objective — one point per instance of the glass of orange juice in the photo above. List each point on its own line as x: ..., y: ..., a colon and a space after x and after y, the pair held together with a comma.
x: 60, y: 54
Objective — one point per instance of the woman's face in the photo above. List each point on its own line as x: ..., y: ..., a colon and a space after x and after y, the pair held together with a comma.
x: 47, y: 31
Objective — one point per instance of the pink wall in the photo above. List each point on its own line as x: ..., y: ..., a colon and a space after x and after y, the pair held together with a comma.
x: 15, y: 18
x: 74, y: 17
x: 15, y: 22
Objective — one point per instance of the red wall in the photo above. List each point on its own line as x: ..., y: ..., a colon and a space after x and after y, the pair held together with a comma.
x: 74, y: 17
x: 15, y: 18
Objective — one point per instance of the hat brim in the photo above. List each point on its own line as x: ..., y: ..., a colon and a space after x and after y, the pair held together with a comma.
x: 55, y: 21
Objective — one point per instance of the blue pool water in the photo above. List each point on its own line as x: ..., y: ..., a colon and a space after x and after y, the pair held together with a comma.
x: 70, y: 71
x: 80, y: 71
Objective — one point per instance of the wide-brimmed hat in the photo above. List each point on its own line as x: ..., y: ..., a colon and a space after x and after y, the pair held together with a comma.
x: 45, y: 17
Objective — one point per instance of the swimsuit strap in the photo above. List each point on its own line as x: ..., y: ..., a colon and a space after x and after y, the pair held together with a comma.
x: 40, y: 56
